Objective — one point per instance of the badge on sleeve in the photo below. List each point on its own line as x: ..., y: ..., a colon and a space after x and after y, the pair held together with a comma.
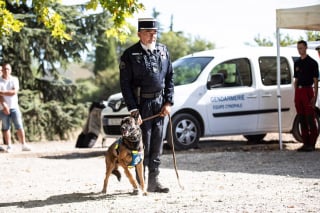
x: 163, y: 55
x: 122, y: 65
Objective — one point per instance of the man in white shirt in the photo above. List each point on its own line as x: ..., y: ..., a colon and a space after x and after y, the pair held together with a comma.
x: 9, y: 87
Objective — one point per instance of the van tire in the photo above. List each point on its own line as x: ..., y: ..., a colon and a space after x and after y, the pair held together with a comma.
x: 185, y: 130
x: 255, y: 138
x: 296, y: 130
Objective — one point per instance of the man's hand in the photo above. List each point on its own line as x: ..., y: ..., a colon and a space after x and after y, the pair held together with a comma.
x: 136, y: 115
x: 313, y: 102
x: 5, y: 109
x: 165, y: 110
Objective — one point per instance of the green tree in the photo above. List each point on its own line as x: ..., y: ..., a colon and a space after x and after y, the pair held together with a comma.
x: 105, y: 48
x: 286, y: 40
x: 263, y: 41
x: 176, y: 43
x: 313, y: 35
x: 197, y: 44
x: 35, y: 45
x: 52, y: 20
x: 180, y: 45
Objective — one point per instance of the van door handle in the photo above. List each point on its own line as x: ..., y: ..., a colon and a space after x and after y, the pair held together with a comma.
x: 267, y: 95
x: 252, y: 96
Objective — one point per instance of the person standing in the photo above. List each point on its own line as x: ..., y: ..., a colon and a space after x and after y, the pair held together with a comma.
x: 306, y: 74
x: 2, y: 107
x: 146, y: 81
x: 9, y: 87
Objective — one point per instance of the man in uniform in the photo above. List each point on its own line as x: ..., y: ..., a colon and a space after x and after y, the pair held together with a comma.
x: 306, y: 74
x: 146, y: 80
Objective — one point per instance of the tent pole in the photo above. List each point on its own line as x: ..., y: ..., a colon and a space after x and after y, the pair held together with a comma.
x: 278, y: 88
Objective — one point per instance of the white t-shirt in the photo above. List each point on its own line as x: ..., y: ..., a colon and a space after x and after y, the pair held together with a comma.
x: 10, y: 84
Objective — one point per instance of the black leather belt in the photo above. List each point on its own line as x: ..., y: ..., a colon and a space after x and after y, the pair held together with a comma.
x: 151, y: 95
x: 304, y: 86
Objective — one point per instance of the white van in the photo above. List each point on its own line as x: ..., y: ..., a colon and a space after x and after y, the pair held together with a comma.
x: 225, y: 92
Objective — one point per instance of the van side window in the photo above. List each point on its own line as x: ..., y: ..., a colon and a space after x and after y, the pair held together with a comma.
x: 268, y: 70
x: 187, y: 70
x: 236, y: 72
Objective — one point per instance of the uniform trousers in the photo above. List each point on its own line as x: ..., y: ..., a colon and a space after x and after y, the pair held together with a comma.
x: 152, y: 131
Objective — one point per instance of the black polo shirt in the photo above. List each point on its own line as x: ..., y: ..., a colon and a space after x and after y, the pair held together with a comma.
x: 305, y: 70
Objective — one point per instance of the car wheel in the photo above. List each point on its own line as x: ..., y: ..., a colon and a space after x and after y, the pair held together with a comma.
x: 185, y: 132
x: 296, y: 128
x: 255, y: 138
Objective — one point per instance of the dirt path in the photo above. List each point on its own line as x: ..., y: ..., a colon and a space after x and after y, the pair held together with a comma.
x: 224, y: 175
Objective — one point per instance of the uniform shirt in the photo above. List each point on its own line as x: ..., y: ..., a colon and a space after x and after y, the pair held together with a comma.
x: 10, y: 84
x: 151, y: 71
x: 305, y: 70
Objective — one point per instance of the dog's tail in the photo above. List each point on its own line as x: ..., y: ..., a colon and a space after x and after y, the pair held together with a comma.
x: 117, y: 174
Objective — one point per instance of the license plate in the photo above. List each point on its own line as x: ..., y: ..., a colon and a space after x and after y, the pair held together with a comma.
x: 114, y: 121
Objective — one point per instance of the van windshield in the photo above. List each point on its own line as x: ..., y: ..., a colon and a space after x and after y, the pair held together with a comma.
x: 186, y: 70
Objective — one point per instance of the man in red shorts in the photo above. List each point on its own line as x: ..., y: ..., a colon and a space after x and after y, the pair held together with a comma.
x: 306, y: 74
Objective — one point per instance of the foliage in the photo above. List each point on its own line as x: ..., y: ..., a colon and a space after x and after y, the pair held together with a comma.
x: 198, y: 44
x: 286, y: 40
x: 105, y: 49
x: 62, y: 91
x: 176, y: 43
x: 35, y: 45
x: 180, y: 45
x: 50, y: 108
x: 101, y: 87
x: 109, y: 83
x: 53, y: 21
x: 86, y: 90
x: 7, y: 21
x: 51, y: 120
x: 263, y: 41
x: 313, y: 35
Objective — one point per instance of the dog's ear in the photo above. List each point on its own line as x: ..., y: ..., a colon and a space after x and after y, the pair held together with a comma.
x: 124, y: 120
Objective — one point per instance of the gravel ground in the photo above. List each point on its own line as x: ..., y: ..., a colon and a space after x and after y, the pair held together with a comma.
x: 224, y: 175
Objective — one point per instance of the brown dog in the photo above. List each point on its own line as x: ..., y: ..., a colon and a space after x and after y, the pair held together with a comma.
x: 127, y: 152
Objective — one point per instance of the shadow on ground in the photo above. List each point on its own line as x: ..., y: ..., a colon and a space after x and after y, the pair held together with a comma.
x: 67, y: 198
x: 264, y: 158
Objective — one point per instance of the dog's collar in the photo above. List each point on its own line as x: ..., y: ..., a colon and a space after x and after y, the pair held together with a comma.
x: 131, y: 144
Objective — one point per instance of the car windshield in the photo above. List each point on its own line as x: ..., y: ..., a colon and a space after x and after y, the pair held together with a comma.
x: 186, y: 70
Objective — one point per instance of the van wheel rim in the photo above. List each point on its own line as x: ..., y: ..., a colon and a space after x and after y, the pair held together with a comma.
x: 186, y: 132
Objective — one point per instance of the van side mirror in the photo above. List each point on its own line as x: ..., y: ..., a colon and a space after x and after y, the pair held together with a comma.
x: 216, y: 80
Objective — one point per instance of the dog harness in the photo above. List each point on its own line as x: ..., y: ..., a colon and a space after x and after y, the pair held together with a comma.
x: 136, y: 155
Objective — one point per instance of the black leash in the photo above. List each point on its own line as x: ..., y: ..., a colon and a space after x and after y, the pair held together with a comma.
x: 172, y: 146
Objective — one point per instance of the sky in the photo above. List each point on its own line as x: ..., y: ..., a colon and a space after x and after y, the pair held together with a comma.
x: 226, y: 23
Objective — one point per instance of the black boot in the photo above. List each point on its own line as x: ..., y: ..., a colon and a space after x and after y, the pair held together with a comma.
x: 153, y: 182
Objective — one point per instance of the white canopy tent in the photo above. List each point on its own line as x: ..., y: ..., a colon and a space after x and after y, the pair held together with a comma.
x: 303, y: 18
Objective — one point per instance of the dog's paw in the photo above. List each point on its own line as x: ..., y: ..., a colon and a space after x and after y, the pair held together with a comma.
x: 135, y: 192
x: 104, y: 191
x: 117, y: 174
x: 145, y: 193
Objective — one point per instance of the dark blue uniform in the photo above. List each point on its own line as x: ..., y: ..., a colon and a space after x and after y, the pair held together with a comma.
x: 146, y: 80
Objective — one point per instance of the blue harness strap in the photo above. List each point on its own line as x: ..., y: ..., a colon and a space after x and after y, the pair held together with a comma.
x: 136, y: 155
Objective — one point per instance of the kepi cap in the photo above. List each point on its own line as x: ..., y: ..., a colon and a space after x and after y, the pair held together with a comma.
x: 147, y: 24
